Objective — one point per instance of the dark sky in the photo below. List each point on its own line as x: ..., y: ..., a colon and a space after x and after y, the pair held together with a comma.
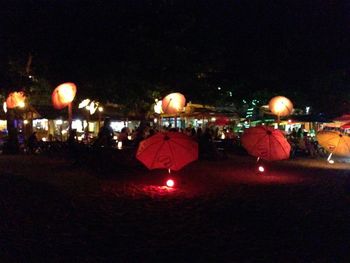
x: 288, y: 41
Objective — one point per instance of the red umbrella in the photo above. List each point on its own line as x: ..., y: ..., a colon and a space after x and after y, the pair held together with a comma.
x: 346, y: 125
x: 266, y: 143
x: 170, y: 150
x: 222, y: 121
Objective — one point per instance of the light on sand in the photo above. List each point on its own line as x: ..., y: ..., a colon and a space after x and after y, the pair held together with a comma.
x: 170, y: 183
x: 261, y: 169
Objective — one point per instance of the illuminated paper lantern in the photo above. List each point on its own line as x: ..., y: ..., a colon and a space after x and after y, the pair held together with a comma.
x: 15, y: 99
x: 281, y: 106
x: 173, y: 103
x: 63, y: 95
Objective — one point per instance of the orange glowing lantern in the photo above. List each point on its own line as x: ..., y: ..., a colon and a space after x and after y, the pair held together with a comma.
x: 173, y: 103
x: 63, y: 95
x: 15, y: 99
x: 281, y: 106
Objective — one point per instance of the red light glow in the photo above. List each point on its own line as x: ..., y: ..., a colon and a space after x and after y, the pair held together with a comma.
x: 261, y: 169
x: 170, y: 183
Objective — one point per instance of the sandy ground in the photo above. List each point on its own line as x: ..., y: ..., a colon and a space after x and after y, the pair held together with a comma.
x: 219, y: 211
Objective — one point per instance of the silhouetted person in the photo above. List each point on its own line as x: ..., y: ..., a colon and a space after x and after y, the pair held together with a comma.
x: 207, y: 149
x: 73, y: 147
x: 105, y: 135
x: 32, y: 143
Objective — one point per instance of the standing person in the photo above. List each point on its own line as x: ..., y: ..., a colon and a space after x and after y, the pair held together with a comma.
x: 32, y: 143
x: 106, y: 134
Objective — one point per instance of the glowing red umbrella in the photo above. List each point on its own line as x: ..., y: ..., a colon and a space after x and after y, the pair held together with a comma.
x: 266, y: 143
x: 170, y: 150
x: 346, y: 125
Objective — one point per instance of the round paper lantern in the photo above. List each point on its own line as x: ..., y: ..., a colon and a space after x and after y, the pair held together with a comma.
x: 63, y: 95
x: 281, y: 106
x: 15, y: 99
x: 173, y: 103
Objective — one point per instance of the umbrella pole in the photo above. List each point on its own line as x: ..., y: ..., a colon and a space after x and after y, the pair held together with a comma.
x: 329, y: 157
x: 70, y: 116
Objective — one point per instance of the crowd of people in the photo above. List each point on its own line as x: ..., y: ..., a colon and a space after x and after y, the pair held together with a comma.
x: 213, y: 142
x: 303, y: 144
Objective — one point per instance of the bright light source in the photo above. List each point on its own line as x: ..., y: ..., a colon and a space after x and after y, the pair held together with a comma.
x: 307, y: 109
x: 25, y: 121
x: 158, y: 107
x: 331, y: 161
x: 170, y: 183
x: 100, y: 109
x: 219, y: 88
x: 4, y: 106
x: 93, y: 107
x: 261, y: 169
x: 84, y: 103
x: 120, y: 145
x: 21, y: 104
x: 59, y: 122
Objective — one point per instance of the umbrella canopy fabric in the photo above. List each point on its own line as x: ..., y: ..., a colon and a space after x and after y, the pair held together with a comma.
x: 266, y: 143
x: 334, y: 142
x: 170, y: 150
x: 343, y: 118
x: 345, y: 126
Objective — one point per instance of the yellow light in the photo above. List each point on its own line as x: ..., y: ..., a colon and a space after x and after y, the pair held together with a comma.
x: 25, y: 121
x: 84, y: 103
x: 280, y: 106
x: 100, y: 109
x: 93, y: 107
x: 21, y: 104
x: 120, y: 145
x: 66, y: 92
x: 158, y: 107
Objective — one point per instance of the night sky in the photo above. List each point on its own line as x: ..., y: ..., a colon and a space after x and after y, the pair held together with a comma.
x: 273, y: 44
